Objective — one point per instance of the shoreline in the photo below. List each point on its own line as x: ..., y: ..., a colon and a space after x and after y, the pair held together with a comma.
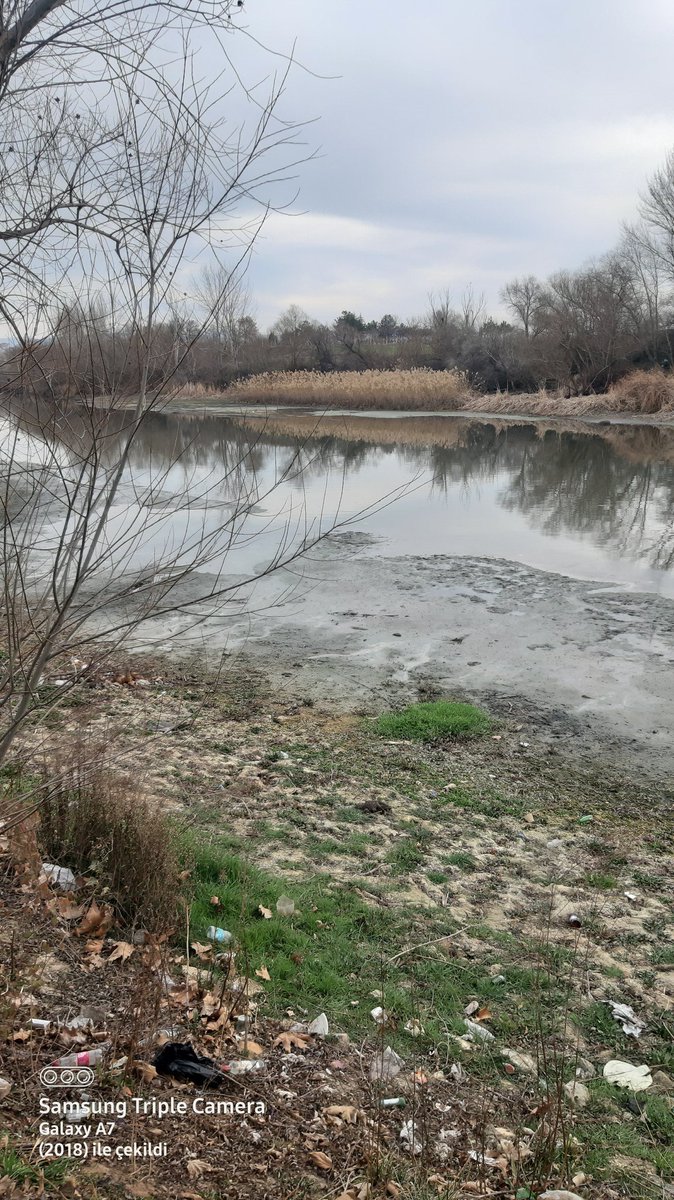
x: 219, y: 405
x: 589, y: 663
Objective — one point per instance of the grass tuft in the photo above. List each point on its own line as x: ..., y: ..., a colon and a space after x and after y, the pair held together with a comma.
x: 431, y: 721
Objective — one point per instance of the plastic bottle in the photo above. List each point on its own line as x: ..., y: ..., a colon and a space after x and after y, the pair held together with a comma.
x: 87, y: 1058
x: 215, y: 934
x: 245, y: 1066
x: 394, y: 1102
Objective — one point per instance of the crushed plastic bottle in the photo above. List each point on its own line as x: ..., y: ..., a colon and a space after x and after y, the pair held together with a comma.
x: 244, y: 1066
x: 215, y: 934
x: 285, y: 907
x: 393, y: 1102
x: 86, y: 1058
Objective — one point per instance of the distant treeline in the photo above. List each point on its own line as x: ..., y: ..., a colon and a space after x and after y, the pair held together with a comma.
x: 577, y: 331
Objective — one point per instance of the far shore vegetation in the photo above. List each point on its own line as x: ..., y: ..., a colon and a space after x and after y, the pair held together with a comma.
x: 595, y: 340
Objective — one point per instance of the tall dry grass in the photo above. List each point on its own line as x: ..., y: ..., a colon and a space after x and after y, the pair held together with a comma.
x: 96, y: 820
x: 422, y: 390
x: 418, y: 388
x: 644, y: 392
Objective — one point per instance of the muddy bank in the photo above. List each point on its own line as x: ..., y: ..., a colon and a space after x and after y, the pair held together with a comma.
x: 589, y: 664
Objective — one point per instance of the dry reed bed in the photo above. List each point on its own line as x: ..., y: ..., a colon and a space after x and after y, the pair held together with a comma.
x: 639, y: 393
x: 418, y: 388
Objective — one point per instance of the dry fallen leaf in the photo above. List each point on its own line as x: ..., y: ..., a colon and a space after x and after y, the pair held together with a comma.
x: 67, y: 909
x: 318, y: 1159
x: 263, y: 973
x: 345, y: 1112
x: 253, y: 1048
x: 394, y: 1189
x: 215, y: 901
x: 201, y: 949
x: 288, y: 1040
x: 146, y: 1071
x: 94, y: 946
x: 121, y: 952
x: 483, y: 1015
x: 97, y: 919
x: 197, y: 1167
x: 21, y: 1035
x: 266, y: 912
x: 210, y: 1004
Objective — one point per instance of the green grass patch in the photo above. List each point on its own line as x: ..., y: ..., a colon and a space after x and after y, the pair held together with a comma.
x: 432, y: 721
x: 334, y: 949
x: 461, y: 859
x: 599, y: 880
x: 13, y: 1166
x: 406, y: 855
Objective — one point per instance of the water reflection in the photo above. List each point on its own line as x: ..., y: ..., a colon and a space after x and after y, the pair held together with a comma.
x: 549, y: 496
x: 610, y: 486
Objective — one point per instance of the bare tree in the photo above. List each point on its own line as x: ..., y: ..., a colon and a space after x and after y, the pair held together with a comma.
x: 473, y: 308
x: 227, y: 301
x: 118, y: 202
x: 525, y: 299
x: 291, y: 330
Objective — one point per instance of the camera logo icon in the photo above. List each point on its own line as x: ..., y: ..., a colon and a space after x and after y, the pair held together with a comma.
x: 66, y: 1076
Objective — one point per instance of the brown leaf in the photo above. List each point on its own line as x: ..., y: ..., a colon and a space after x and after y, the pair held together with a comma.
x: 253, y: 1048
x: 21, y: 1035
x: 210, y: 1004
x: 483, y: 1015
x: 296, y: 957
x: 394, y: 1189
x: 345, y: 1112
x: 98, y: 920
x: 246, y: 987
x: 288, y: 1040
x: 263, y: 973
x: 94, y: 946
x: 197, y: 1167
x: 201, y: 949
x: 266, y: 912
x: 318, y: 1159
x: 146, y: 1071
x: 215, y: 901
x: 66, y: 909
x: 121, y: 952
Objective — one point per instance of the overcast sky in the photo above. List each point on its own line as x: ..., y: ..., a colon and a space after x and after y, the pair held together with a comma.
x: 458, y: 143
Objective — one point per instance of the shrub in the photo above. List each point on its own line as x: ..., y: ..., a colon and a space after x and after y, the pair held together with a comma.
x: 94, y: 819
x: 430, y: 721
x: 644, y: 391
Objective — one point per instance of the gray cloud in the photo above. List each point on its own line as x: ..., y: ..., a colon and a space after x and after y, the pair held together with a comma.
x: 458, y: 143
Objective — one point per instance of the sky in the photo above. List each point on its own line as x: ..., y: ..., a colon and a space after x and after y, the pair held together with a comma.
x: 454, y: 143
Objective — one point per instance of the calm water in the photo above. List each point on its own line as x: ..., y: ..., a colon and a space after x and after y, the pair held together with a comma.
x: 588, y: 502
x: 593, y: 504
